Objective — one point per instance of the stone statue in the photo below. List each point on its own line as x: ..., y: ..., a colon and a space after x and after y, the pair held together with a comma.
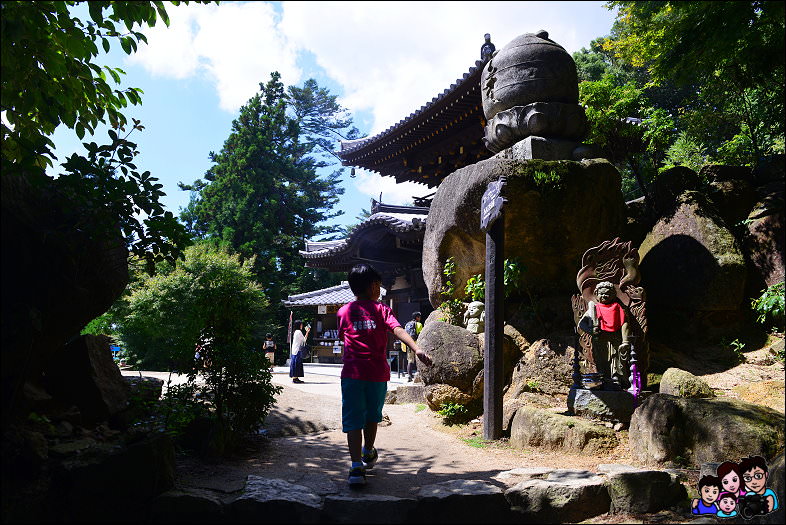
x: 606, y: 321
x: 611, y: 316
x: 475, y: 317
x: 487, y: 49
x: 530, y: 95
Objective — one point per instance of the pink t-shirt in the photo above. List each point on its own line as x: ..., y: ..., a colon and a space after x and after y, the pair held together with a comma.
x: 364, y: 326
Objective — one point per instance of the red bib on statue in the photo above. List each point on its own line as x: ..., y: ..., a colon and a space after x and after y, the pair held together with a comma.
x: 610, y: 316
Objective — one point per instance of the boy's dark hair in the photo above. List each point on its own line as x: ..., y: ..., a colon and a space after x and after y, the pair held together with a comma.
x: 712, y: 481
x: 752, y: 462
x: 726, y: 467
x: 296, y: 324
x: 360, y: 278
x: 416, y: 314
x: 268, y: 335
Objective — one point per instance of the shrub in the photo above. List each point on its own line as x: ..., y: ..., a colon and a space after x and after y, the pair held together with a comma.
x: 452, y: 308
x: 770, y: 307
x: 453, y: 413
x: 208, y: 300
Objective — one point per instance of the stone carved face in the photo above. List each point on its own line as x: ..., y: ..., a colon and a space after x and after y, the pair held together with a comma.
x: 605, y: 293
x: 474, y: 310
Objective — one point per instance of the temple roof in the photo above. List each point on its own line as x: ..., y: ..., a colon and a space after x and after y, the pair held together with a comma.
x: 442, y: 136
x: 340, y: 294
x: 391, y: 237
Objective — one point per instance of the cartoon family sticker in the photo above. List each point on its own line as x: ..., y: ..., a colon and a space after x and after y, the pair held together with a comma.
x: 738, y: 489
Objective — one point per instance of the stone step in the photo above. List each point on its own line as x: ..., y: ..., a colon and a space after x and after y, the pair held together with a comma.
x: 532, y: 495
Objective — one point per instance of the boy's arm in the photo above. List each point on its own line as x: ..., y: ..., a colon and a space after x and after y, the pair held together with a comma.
x: 407, y: 340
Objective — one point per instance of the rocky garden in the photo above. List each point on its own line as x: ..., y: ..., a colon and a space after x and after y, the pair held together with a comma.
x: 648, y: 330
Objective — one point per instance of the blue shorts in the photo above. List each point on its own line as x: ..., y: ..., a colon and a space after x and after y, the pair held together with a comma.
x: 361, y: 402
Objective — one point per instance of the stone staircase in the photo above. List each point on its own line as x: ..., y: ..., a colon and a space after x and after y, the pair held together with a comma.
x: 531, y: 495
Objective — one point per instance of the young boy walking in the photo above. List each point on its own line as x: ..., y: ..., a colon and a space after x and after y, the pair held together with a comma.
x: 363, y: 324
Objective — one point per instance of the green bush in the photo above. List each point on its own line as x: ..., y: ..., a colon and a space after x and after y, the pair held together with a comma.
x: 452, y: 308
x: 210, y: 299
x: 770, y: 307
x: 453, y: 413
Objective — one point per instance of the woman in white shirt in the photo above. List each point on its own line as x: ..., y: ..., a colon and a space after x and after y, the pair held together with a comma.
x: 296, y: 356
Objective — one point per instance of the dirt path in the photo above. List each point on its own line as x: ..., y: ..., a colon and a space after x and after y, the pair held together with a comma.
x: 306, y: 446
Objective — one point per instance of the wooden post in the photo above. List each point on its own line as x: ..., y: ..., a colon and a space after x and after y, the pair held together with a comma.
x: 495, y: 302
x: 492, y: 221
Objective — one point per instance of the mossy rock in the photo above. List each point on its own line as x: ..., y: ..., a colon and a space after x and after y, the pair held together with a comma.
x: 549, y: 220
x: 535, y: 427
x: 680, y: 383
x: 665, y: 428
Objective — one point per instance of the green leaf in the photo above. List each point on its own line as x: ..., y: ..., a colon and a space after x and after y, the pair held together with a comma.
x: 162, y: 12
x: 96, y: 10
x: 80, y: 130
x: 105, y: 44
x: 125, y: 44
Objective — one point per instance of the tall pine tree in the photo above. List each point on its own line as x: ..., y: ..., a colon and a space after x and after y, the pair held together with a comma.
x: 263, y: 196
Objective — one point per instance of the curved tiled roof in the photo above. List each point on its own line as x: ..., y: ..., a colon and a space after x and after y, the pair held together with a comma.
x: 442, y: 136
x: 396, y: 222
x: 353, y: 145
x: 339, y: 294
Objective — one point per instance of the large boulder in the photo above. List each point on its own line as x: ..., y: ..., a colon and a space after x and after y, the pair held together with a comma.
x: 535, y: 427
x: 566, y: 496
x: 639, y: 221
x: 456, y: 355
x: 639, y: 491
x: 731, y: 190
x: 439, y: 395
x: 693, y: 271
x: 670, y: 184
x: 555, y: 211
x: 187, y: 505
x: 668, y: 429
x: 83, y: 373
x: 545, y: 367
x: 684, y: 384
x: 764, y: 242
x: 90, y: 486
x: 59, y: 273
x: 776, y: 480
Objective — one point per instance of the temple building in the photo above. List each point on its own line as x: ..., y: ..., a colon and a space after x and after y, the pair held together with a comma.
x: 391, y: 240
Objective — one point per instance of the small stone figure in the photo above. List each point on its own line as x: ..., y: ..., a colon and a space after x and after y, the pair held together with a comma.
x: 606, y: 320
x: 475, y: 317
x: 487, y: 49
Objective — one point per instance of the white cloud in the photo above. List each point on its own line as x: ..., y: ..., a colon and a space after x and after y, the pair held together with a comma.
x: 236, y: 44
x: 390, y: 58
x: 393, y: 57
x: 372, y: 184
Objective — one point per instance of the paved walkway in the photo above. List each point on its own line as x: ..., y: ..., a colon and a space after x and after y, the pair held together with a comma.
x: 304, y: 444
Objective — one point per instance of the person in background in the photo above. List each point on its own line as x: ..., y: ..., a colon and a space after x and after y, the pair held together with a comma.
x: 363, y: 324
x: 296, y: 352
x: 413, y: 328
x: 269, y: 347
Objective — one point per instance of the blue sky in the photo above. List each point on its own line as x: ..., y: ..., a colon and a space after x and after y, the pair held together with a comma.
x: 383, y: 59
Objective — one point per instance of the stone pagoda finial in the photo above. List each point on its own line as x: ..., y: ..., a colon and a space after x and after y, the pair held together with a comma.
x: 530, y: 95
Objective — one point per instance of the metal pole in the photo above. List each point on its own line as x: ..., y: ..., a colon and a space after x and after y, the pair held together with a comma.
x: 495, y: 302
